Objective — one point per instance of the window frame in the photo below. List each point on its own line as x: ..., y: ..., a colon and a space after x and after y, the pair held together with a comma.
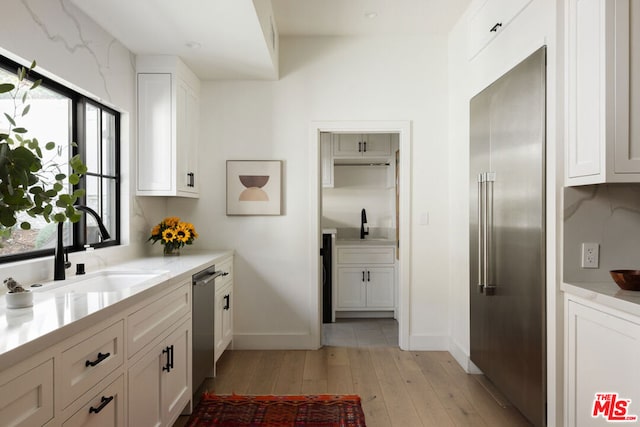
x: 77, y: 132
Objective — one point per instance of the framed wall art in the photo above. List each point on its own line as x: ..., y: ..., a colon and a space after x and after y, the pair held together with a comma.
x: 254, y: 187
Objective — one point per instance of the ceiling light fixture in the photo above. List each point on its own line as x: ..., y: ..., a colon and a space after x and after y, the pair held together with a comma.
x: 371, y: 15
x: 193, y: 45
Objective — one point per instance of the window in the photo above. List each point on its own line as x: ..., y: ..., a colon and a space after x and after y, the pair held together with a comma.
x: 64, y: 116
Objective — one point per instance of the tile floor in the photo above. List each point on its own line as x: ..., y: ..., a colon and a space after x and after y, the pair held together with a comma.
x: 361, y: 333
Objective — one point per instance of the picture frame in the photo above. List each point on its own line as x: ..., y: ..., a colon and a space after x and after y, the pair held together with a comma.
x: 254, y: 187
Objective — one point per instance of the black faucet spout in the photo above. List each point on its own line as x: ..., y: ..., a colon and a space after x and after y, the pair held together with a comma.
x: 363, y: 221
x: 59, y: 261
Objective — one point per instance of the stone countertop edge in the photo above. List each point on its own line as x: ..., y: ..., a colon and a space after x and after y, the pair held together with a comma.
x: 26, y: 331
x: 365, y: 242
x: 607, y: 294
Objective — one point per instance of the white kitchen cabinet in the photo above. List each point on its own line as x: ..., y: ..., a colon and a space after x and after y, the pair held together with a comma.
x: 366, y: 279
x: 26, y: 394
x: 102, y: 409
x: 603, y: 91
x: 602, y: 353
x: 223, y: 309
x: 326, y: 160
x: 168, y: 121
x: 159, y: 383
x: 490, y: 19
x: 356, y: 146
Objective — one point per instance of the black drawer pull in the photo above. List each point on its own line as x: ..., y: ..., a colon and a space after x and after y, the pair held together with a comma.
x: 363, y: 276
x: 169, y: 365
x: 494, y: 29
x: 105, y: 401
x: 227, y: 302
x: 101, y: 357
x: 368, y: 276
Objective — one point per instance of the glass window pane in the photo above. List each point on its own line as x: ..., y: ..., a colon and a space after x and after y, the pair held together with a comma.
x: 101, y: 197
x: 92, y: 132
x: 49, y: 119
x: 108, y: 144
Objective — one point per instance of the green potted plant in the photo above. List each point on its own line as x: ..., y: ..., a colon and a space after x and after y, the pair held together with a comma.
x: 27, y: 182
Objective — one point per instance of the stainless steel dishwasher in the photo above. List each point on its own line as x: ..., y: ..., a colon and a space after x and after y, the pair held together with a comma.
x: 203, y: 296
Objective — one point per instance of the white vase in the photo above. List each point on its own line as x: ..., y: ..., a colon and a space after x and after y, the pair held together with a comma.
x: 19, y: 299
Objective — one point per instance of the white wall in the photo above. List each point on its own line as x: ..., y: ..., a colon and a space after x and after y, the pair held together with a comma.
x: 73, y: 50
x: 323, y: 78
x: 534, y: 27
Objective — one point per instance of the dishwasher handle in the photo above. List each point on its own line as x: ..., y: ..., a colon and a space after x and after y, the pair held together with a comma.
x: 206, y: 277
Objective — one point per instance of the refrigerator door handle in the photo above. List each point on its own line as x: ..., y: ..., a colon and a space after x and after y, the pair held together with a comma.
x: 481, y: 177
x: 489, y: 280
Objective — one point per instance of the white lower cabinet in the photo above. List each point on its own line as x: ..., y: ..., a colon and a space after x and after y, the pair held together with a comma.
x: 602, y: 354
x: 26, y: 394
x: 159, y: 383
x: 223, y: 310
x: 103, y: 409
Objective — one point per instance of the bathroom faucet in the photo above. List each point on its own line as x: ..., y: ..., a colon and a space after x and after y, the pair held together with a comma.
x: 363, y: 221
x: 60, y: 264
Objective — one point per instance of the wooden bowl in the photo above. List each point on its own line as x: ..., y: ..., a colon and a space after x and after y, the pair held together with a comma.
x: 629, y: 280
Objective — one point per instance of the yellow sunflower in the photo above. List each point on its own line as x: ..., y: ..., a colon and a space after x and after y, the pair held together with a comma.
x: 155, y: 231
x: 182, y: 233
x: 171, y: 221
x: 169, y: 235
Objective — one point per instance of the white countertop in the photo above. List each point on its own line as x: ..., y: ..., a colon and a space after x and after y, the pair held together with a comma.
x: 607, y: 294
x: 57, y: 314
x: 365, y: 242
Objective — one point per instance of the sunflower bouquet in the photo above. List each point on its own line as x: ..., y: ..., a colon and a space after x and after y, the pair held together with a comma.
x: 173, y: 234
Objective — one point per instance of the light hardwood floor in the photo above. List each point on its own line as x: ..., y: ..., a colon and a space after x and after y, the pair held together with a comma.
x: 397, y: 388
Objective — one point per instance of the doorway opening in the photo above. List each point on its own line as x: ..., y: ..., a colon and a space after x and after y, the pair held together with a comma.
x: 362, y: 218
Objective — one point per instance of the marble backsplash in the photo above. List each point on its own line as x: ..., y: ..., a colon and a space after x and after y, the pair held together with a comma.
x: 608, y: 214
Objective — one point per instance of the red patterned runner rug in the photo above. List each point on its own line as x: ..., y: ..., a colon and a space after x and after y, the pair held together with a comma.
x: 278, y: 411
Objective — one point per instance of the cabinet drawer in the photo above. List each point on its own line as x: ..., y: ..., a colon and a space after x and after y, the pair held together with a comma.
x: 378, y: 255
x: 147, y: 323
x: 227, y: 267
x: 86, y: 363
x: 28, y: 399
x: 105, y: 408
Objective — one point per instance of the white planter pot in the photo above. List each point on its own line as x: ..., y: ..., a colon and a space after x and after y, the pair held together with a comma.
x: 19, y: 299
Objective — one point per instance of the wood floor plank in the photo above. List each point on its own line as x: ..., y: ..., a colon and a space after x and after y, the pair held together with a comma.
x: 266, y: 373
x: 290, y: 379
x: 366, y: 385
x: 396, y: 396
x: 425, y: 400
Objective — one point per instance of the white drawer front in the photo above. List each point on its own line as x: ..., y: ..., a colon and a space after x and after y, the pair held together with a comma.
x: 147, y: 323
x: 374, y: 255
x: 226, y: 267
x: 104, y: 409
x: 86, y: 363
x: 28, y: 399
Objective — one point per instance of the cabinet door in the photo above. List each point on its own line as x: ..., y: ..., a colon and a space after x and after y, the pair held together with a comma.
x: 144, y: 389
x: 227, y: 318
x: 155, y: 133
x: 351, y: 287
x: 376, y: 145
x: 27, y: 400
x: 105, y: 409
x: 602, y: 353
x: 186, y: 138
x: 380, y: 287
x: 223, y: 329
x: 347, y: 145
x: 176, y: 390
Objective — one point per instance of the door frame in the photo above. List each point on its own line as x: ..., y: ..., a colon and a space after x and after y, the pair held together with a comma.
x: 403, y: 129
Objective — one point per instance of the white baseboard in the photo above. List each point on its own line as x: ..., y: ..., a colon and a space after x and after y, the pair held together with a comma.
x: 273, y: 342
x: 463, y: 358
x: 428, y: 343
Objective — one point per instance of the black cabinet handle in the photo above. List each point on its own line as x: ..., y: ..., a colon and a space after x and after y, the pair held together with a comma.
x: 368, y: 276
x: 227, y: 302
x: 363, y: 276
x: 225, y: 273
x: 169, y: 352
x: 365, y: 146
x: 191, y: 182
x: 104, y: 402
x: 100, y: 358
x: 359, y: 147
x: 494, y: 29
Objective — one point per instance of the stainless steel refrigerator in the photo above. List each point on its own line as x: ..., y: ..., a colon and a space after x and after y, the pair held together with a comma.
x: 507, y: 235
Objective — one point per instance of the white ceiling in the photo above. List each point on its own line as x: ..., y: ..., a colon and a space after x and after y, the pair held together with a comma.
x: 232, y: 43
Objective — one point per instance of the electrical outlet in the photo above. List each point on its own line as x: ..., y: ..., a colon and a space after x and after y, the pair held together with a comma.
x: 590, y: 255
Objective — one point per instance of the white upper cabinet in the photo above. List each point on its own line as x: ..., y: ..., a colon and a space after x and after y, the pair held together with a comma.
x: 168, y: 120
x: 603, y: 91
x: 354, y: 146
x: 489, y: 19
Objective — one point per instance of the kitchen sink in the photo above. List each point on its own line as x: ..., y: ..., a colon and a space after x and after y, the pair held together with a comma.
x: 101, y: 281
